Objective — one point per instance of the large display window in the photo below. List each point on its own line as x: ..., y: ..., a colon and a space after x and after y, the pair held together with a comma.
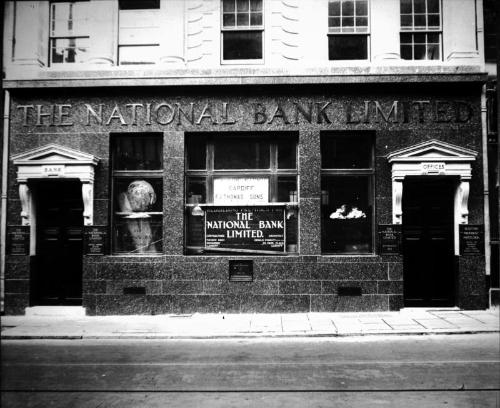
x: 347, y: 193
x: 137, y: 192
x: 241, y: 193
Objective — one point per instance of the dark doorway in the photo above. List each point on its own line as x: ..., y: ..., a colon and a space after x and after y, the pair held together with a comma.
x: 428, y: 243
x: 57, y: 274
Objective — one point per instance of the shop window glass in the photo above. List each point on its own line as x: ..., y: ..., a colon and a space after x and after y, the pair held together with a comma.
x: 240, y: 171
x: 420, y: 37
x: 348, y: 29
x: 347, y: 193
x: 69, y: 32
x: 241, y: 153
x: 137, y: 194
x: 242, y: 30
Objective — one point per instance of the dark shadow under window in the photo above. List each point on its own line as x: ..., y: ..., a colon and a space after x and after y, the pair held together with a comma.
x: 242, y: 45
x: 347, y: 47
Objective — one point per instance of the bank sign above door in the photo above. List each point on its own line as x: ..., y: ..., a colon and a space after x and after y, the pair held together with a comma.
x: 270, y: 111
x: 240, y: 229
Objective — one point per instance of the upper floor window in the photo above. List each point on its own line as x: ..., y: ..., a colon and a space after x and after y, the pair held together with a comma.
x: 69, y: 32
x: 420, y: 30
x: 138, y: 37
x: 242, y: 30
x: 348, y: 29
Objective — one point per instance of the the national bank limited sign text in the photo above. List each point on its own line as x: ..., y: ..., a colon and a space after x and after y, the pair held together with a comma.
x: 228, y: 113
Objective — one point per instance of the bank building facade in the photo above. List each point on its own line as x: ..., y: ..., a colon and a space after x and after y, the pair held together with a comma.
x: 168, y: 156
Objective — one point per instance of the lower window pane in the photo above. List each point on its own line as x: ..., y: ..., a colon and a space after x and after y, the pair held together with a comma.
x: 346, y: 214
x: 242, y: 45
x: 138, y: 215
x: 347, y: 47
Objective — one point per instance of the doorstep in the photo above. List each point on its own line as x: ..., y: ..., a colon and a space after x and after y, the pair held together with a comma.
x: 55, y: 311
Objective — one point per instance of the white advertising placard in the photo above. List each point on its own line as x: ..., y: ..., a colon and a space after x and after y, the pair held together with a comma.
x: 237, y: 190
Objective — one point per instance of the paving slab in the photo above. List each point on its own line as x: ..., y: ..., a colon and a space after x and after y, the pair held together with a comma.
x: 251, y: 325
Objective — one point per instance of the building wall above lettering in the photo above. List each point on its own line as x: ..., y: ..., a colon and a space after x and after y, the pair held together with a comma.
x: 188, y: 45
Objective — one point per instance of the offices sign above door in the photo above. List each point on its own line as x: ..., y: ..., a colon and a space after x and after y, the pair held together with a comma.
x: 278, y: 112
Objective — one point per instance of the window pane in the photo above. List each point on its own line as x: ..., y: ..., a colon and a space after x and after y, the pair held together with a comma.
x: 419, y: 6
x: 433, y: 38
x: 196, y: 190
x: 419, y: 20
x: 346, y: 214
x: 196, y: 154
x: 334, y: 8
x: 361, y: 8
x: 406, y: 20
x: 433, y: 6
x: 334, y: 22
x: 69, y: 50
x: 241, y: 154
x: 419, y: 38
x: 346, y: 151
x: 347, y: 7
x: 139, y: 4
x: 256, y: 19
x: 406, y: 7
x: 228, y: 5
x: 256, y: 5
x: 228, y: 20
x: 136, y: 229
x: 433, y: 21
x: 138, y: 152
x: 242, y: 5
x: 419, y: 52
x: 347, y: 22
x: 287, y: 155
x: 433, y: 52
x: 240, y: 45
x: 347, y: 47
x: 406, y: 52
x: 361, y: 22
x: 287, y: 189
x: 242, y: 19
x: 406, y: 38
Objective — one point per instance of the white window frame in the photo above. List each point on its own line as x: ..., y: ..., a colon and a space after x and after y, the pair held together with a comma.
x: 340, y: 32
x: 241, y: 28
x: 415, y: 30
x: 68, y: 35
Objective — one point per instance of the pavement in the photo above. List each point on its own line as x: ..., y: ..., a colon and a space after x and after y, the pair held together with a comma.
x: 205, y: 326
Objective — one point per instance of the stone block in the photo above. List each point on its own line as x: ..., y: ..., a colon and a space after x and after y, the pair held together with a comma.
x: 366, y: 303
x: 93, y: 287
x: 390, y: 287
x: 17, y: 286
x: 350, y: 271
x: 281, y: 271
x: 299, y: 287
x: 15, y: 304
x: 178, y: 287
x: 310, y: 226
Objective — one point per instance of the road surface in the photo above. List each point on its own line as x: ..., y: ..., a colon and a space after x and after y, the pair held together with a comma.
x: 372, y: 371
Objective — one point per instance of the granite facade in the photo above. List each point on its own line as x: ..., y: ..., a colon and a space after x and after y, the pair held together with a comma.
x: 306, y: 281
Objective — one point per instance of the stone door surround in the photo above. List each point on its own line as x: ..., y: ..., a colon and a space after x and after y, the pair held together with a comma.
x: 54, y: 161
x: 433, y: 158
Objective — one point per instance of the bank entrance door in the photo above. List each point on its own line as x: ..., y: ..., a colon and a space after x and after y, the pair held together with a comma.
x: 428, y: 243
x: 57, y: 272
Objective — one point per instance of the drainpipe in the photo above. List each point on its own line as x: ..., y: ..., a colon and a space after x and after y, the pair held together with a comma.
x: 484, y: 142
x: 3, y: 220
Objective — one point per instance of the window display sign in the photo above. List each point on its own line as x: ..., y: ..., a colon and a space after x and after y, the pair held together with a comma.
x: 389, y: 238
x: 95, y: 239
x: 18, y: 240
x: 239, y: 190
x: 246, y: 229
x: 471, y: 239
